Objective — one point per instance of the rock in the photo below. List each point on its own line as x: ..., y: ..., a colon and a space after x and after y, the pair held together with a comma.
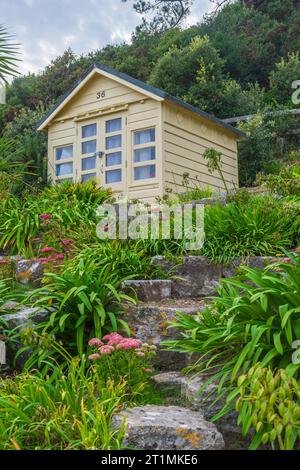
x: 195, y: 276
x: 11, y: 305
x: 29, y: 271
x: 167, y: 428
x: 259, y: 262
x: 204, y: 402
x: 149, y: 323
x: 25, y: 318
x: 169, y: 382
x: 156, y: 289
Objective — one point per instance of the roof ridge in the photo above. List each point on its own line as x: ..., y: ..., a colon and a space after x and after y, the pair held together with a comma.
x: 143, y: 85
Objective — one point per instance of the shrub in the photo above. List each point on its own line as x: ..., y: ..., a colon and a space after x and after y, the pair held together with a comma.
x: 127, y: 258
x: 259, y: 227
x: 269, y: 406
x: 65, y: 410
x: 86, y: 302
x: 253, y: 319
x: 116, y: 358
x: 72, y: 208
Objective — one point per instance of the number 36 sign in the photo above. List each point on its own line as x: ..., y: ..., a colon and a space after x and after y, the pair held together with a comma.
x: 100, y: 95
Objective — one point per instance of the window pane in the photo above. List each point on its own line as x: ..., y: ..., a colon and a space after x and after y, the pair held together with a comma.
x: 142, y: 155
x: 64, y: 152
x: 114, y: 125
x: 89, y: 131
x: 89, y: 147
x: 144, y: 172
x: 144, y: 137
x: 113, y: 176
x: 113, y: 142
x: 88, y: 163
x: 114, y: 159
x: 64, y: 169
x: 88, y: 177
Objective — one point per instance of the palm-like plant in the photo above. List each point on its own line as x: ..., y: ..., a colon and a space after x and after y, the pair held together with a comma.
x: 8, y: 55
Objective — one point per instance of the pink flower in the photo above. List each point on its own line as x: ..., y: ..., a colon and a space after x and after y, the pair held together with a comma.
x: 149, y: 371
x: 47, y: 249
x: 128, y: 343
x: 45, y: 216
x: 4, y: 261
x: 60, y: 256
x: 106, y: 350
x: 94, y: 357
x: 66, y: 242
x: 287, y: 260
x: 46, y: 260
x: 95, y: 342
x: 37, y: 239
x: 115, y: 338
x: 140, y: 354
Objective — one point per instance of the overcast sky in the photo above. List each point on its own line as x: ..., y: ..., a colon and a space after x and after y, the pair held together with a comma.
x: 45, y: 28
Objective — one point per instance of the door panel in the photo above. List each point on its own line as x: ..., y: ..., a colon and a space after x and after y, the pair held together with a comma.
x: 101, y: 146
x: 113, y: 163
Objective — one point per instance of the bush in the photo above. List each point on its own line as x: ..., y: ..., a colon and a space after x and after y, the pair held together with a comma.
x: 72, y: 208
x: 86, y: 303
x: 116, y: 358
x: 62, y: 410
x: 269, y: 406
x: 253, y: 320
x: 261, y: 226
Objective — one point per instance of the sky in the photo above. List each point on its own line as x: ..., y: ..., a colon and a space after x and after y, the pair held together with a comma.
x: 46, y: 28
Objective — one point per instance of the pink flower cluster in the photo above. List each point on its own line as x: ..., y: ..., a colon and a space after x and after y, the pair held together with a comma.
x: 114, y: 342
x: 4, y: 261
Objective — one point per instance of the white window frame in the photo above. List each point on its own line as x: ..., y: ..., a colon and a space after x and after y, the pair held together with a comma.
x: 84, y: 156
x: 142, y: 182
x: 62, y: 161
x: 122, y: 150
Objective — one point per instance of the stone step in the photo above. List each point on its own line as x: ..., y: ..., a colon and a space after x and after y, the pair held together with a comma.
x: 148, y: 290
x: 196, y: 276
x: 154, y: 427
x: 148, y: 321
x: 203, y: 399
x: 22, y: 318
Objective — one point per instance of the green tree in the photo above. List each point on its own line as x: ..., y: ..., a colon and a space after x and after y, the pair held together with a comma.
x: 286, y: 71
x: 164, y: 14
x: 195, y: 63
x: 249, y: 40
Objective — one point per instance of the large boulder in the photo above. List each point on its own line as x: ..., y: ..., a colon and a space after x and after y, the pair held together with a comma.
x: 148, y: 290
x: 29, y: 271
x: 15, y: 322
x: 194, y: 277
x: 149, y: 322
x: 202, y: 398
x: 167, y: 428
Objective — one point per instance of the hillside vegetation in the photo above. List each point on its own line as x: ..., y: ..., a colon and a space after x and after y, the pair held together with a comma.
x: 240, y: 61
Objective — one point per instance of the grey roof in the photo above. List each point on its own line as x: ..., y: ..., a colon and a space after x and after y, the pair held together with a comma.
x: 146, y: 87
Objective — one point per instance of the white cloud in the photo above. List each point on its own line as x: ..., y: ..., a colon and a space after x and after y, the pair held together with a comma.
x: 46, y: 28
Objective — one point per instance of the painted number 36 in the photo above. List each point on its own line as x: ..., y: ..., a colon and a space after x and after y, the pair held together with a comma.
x: 100, y: 95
